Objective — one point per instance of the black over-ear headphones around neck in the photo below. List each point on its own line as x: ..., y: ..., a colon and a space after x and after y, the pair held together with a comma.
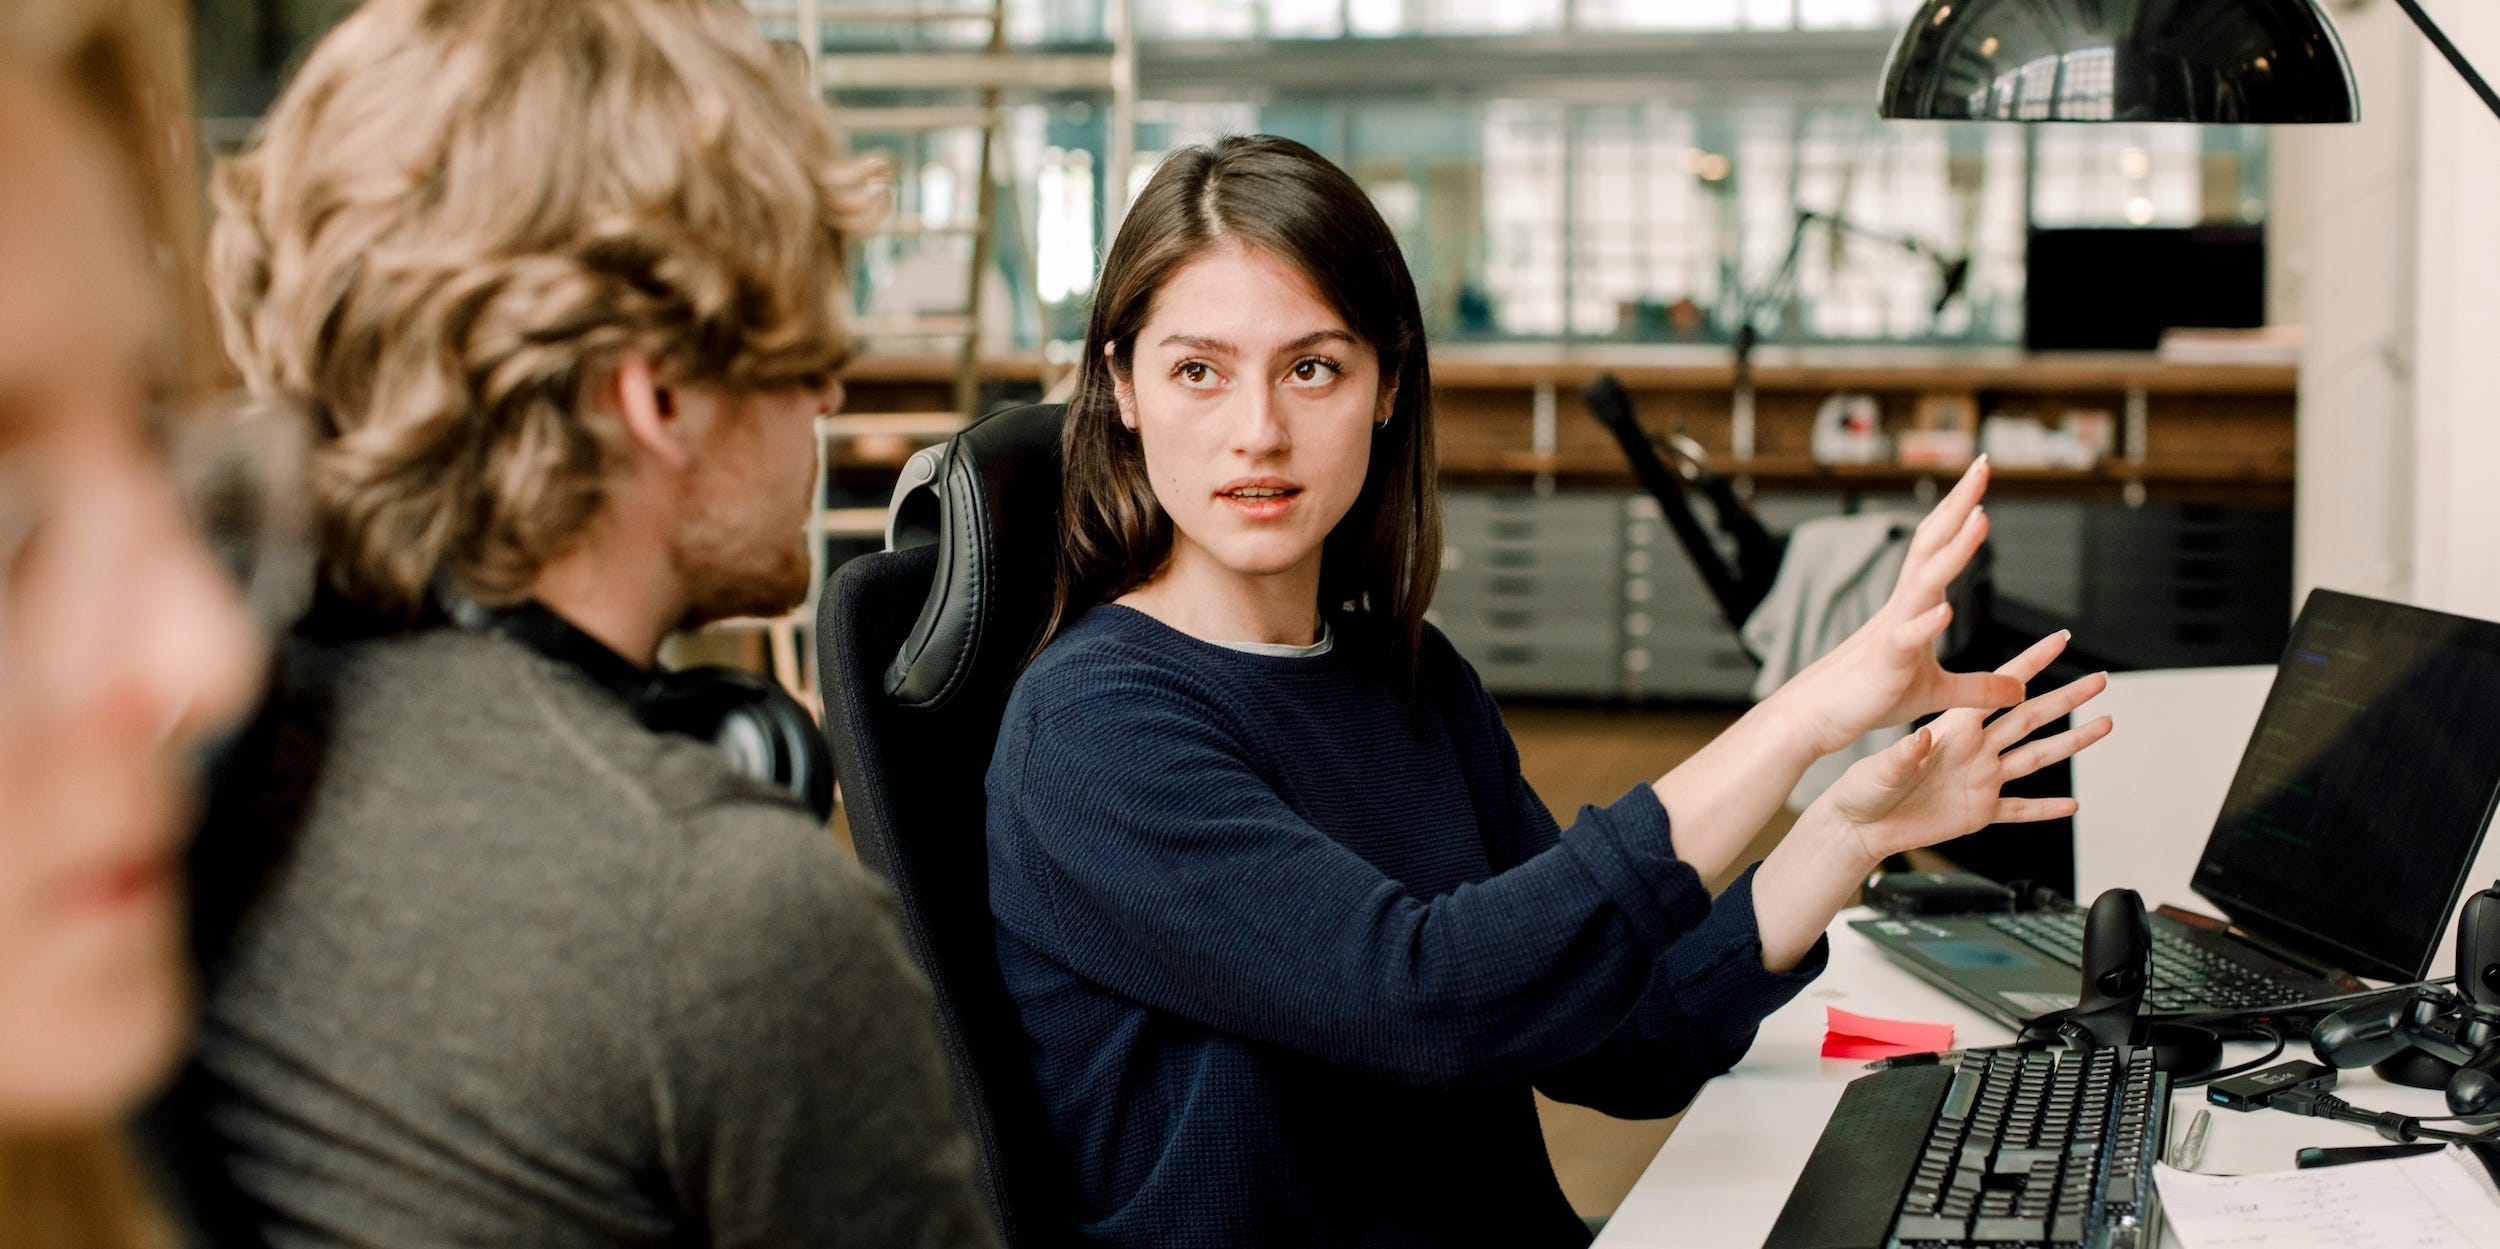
x: 762, y: 731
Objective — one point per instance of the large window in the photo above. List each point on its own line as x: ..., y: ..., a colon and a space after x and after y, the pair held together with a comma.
x: 1526, y: 218
x: 1642, y: 203
x: 1656, y: 208
x: 1542, y: 218
x: 2149, y: 175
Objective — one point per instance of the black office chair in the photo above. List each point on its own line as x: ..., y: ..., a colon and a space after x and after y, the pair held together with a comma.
x: 918, y: 647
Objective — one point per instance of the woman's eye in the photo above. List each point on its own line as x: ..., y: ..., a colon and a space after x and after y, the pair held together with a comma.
x: 1194, y: 373
x: 1313, y: 370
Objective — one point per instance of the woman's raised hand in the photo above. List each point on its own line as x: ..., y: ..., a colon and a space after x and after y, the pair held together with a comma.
x: 1886, y: 672
x: 1946, y: 779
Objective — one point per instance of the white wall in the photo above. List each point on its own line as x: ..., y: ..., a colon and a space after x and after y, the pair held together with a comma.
x: 2456, y: 515
x: 2397, y: 266
x: 2392, y: 250
x: 2354, y: 252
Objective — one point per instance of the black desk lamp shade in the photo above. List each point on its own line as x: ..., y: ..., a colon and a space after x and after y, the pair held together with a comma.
x: 2228, y: 61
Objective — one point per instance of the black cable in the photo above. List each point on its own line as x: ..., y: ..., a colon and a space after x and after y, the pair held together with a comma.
x: 2241, y: 1070
x: 2400, y: 1128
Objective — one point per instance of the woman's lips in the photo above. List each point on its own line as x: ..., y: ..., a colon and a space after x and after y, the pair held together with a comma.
x: 1264, y: 498
x: 138, y: 877
x: 121, y: 889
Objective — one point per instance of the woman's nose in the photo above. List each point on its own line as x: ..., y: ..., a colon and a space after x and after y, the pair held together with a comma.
x: 188, y: 645
x: 1259, y: 428
x: 210, y: 657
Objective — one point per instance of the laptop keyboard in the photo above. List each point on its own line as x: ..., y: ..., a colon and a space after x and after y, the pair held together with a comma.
x: 2186, y: 976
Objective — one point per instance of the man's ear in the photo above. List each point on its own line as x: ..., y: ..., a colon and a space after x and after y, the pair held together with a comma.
x: 649, y: 411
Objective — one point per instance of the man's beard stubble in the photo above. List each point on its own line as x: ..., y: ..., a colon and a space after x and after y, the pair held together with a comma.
x: 728, y: 574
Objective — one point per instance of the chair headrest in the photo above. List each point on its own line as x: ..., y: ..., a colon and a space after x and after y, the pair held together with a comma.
x: 989, y: 500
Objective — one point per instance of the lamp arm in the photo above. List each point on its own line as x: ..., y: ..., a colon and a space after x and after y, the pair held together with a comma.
x: 1909, y: 243
x: 2439, y: 40
x: 1751, y: 306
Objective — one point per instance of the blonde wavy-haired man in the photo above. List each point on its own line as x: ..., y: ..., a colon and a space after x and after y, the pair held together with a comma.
x: 561, y: 288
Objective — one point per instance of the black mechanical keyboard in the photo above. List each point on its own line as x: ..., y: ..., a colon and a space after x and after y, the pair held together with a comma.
x: 2186, y: 976
x: 2048, y: 1150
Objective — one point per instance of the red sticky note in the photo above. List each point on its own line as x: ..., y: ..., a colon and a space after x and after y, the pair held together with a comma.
x: 1851, y: 1035
x: 1838, y: 1046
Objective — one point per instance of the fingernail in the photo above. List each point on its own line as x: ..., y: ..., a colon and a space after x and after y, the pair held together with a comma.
x: 2066, y: 634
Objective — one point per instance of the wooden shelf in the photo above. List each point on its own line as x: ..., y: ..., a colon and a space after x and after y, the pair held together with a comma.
x: 1697, y: 367
x: 1655, y: 367
x: 1801, y: 470
x: 2215, y: 430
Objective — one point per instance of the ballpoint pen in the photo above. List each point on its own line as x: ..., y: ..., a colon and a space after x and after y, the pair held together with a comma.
x: 1929, y: 1058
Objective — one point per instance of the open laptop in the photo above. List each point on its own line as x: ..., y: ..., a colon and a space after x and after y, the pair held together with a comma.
x: 2342, y: 845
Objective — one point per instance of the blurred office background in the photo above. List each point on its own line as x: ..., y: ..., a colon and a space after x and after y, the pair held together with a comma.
x: 1557, y: 170
x: 1584, y: 186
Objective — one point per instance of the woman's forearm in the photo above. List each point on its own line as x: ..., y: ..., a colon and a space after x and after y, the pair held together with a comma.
x: 1808, y: 878
x: 1719, y: 798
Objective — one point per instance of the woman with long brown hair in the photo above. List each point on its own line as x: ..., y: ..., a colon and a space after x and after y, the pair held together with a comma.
x: 120, y: 645
x: 1290, y: 937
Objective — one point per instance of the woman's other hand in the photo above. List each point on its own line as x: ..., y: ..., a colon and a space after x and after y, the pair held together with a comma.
x: 1942, y: 781
x: 1947, y: 778
x: 1886, y: 672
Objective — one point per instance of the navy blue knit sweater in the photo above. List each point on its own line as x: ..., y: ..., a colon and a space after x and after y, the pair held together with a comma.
x: 1289, y: 960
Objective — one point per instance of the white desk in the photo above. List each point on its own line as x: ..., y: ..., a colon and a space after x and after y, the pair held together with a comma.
x: 1723, y: 1176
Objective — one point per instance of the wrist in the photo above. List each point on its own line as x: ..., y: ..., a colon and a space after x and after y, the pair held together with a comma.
x: 1810, y: 875
x: 1790, y: 713
x: 1833, y: 845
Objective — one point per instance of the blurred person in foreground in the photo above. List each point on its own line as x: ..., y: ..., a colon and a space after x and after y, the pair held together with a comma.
x: 121, y: 647
x: 560, y: 289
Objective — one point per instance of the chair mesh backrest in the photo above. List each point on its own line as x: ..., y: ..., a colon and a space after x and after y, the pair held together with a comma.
x: 912, y: 767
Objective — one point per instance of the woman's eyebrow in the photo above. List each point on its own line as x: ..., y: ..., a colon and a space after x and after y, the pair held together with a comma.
x: 1202, y: 343
x: 1315, y: 338
x: 1218, y: 346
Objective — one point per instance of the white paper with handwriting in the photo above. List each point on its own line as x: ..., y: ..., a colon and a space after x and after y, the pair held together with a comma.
x: 2428, y: 1201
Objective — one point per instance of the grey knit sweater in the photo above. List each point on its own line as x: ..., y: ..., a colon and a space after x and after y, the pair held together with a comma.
x: 507, y: 969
